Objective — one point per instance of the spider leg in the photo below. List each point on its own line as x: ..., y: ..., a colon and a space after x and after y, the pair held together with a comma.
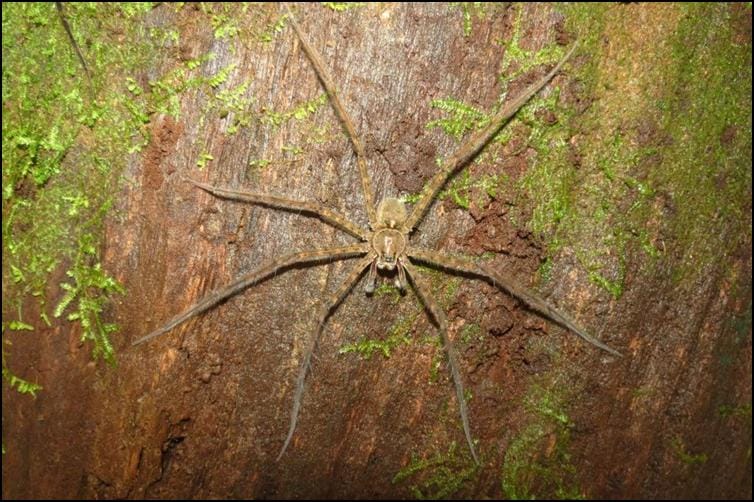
x: 322, y: 213
x: 400, y: 280
x: 243, y: 282
x: 475, y: 143
x: 327, y: 82
x: 532, y: 301
x: 333, y: 301
x: 371, y: 278
x: 442, y: 324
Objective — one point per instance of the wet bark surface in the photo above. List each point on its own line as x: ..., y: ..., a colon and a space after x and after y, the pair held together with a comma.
x: 203, y: 410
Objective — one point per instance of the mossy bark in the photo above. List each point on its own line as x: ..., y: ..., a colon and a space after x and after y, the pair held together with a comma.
x: 591, y: 210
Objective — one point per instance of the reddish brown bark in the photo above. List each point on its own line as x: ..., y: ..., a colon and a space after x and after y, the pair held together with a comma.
x: 203, y: 410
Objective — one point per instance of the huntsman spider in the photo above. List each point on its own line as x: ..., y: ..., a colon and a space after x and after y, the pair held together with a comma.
x: 384, y: 249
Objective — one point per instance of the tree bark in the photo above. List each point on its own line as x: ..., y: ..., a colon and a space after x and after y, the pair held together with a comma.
x: 203, y: 410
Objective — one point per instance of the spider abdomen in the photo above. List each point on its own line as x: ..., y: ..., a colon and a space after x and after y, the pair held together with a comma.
x: 391, y: 213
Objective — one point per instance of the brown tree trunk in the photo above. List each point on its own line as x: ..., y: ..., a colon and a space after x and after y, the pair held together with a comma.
x: 202, y: 411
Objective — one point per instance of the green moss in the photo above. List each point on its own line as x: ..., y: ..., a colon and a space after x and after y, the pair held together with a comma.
x: 737, y: 411
x: 463, y: 188
x: 469, y: 11
x: 523, y: 60
x: 236, y: 102
x: 665, y: 151
x: 343, y: 6
x: 643, y: 392
x: 366, y: 347
x: 387, y: 289
x: 224, y: 24
x: 292, y: 150
x: 545, y: 270
x: 53, y: 216
x: 452, y: 284
x: 397, y: 335
x: 244, y: 114
x: 165, y: 92
x: 459, y: 119
x: 259, y: 163
x: 19, y: 384
x: 439, y: 475
x: 204, y: 157
x: 412, y: 198
x: 707, y: 113
x: 15, y: 382
x: 299, y: 111
x: 274, y: 29
x: 614, y: 287
x: 399, y: 332
x: 552, y: 188
x: 470, y: 332
x: 65, y: 144
x: 537, y: 461
x: 686, y: 457
x: 221, y: 76
x: 89, y: 288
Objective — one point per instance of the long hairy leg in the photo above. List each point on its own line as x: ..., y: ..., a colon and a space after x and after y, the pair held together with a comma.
x: 243, y: 282
x: 308, y: 208
x: 442, y: 324
x: 330, y: 88
x: 329, y: 306
x: 475, y: 143
x: 532, y: 301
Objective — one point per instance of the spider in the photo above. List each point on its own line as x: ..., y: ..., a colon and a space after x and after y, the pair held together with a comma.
x: 384, y: 248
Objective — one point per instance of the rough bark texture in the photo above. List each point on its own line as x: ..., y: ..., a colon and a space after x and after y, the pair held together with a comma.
x: 203, y: 410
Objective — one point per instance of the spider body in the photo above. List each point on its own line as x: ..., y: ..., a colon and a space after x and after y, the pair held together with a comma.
x: 389, y: 243
x: 384, y: 248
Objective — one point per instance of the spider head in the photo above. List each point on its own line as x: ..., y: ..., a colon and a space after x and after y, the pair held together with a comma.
x: 389, y: 246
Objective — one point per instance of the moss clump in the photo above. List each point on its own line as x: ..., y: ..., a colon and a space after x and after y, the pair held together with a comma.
x: 388, y: 290
x: 707, y: 113
x: 65, y: 142
x: 463, y: 188
x: 366, y: 347
x: 665, y: 151
x: 537, y: 462
x: 684, y: 456
x: 469, y: 11
x: 459, y: 119
x: 740, y: 411
x: 439, y: 475
x: 225, y: 24
x: 343, y: 6
x: 300, y: 111
x: 398, y: 335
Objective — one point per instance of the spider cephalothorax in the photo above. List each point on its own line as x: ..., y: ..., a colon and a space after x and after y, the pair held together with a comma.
x: 384, y: 247
x: 389, y: 243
